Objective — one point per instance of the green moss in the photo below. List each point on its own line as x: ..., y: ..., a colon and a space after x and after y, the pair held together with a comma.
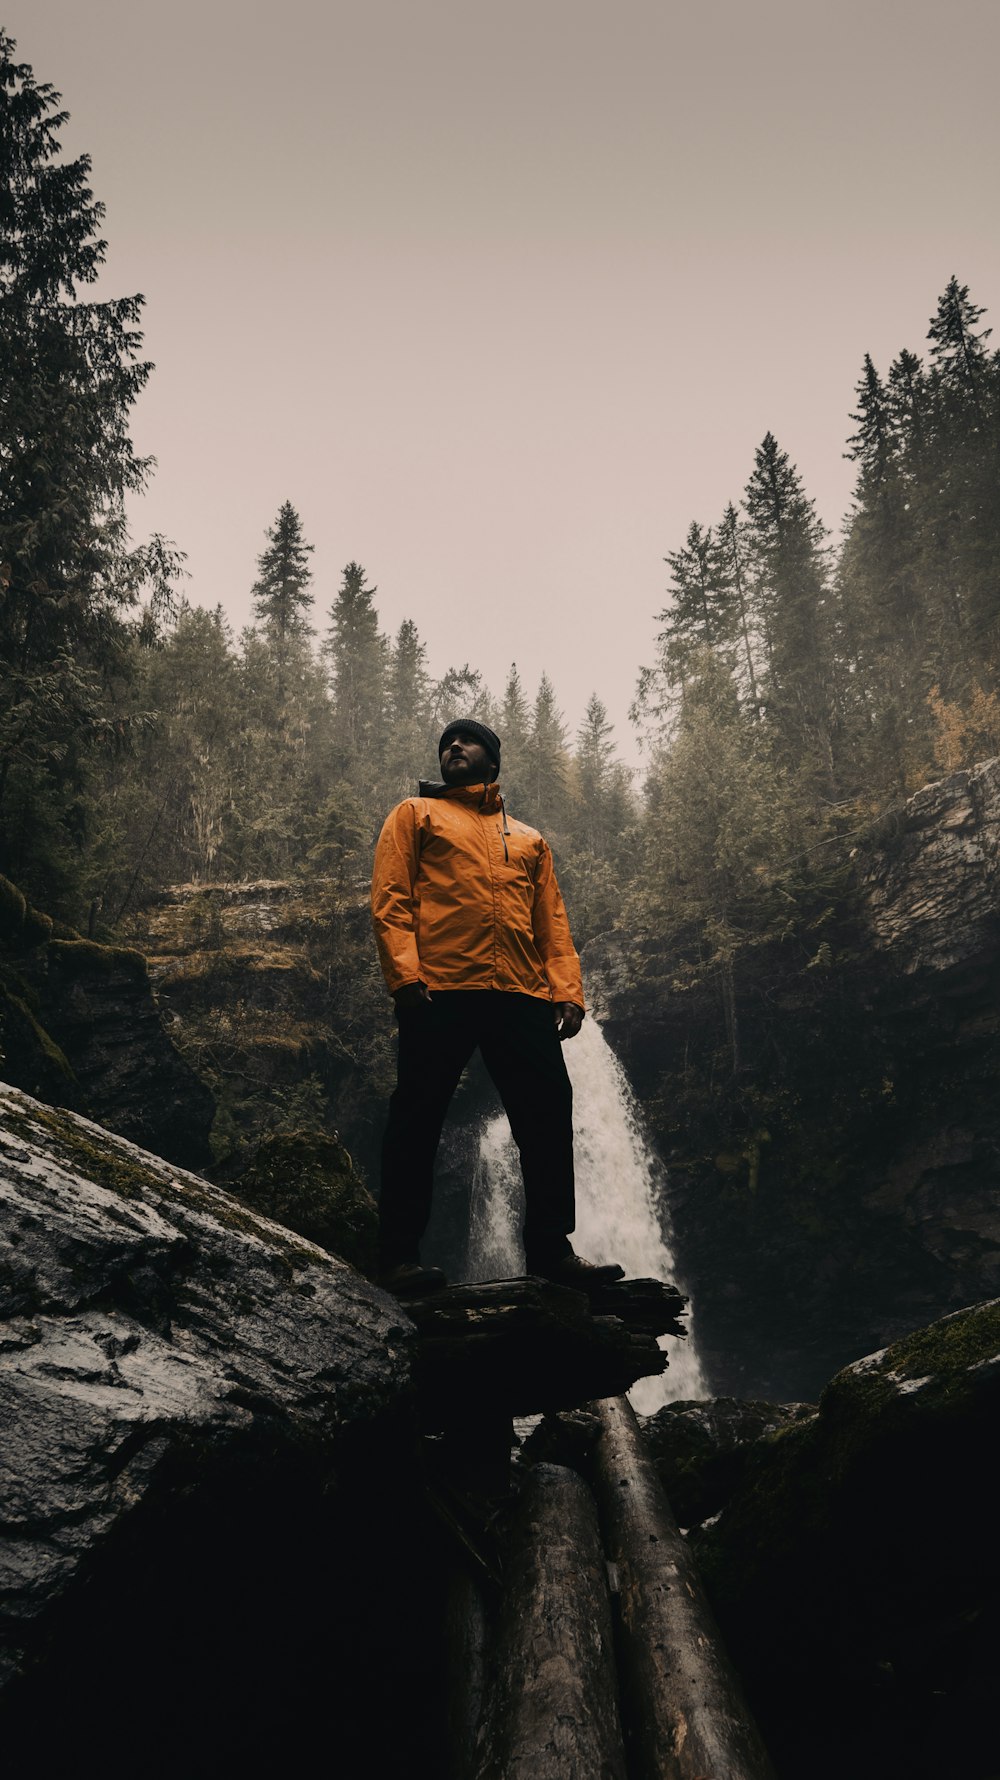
x: 130, y: 1178
x: 12, y: 910
x: 78, y: 955
x: 948, y: 1347
x: 306, y: 1180
x: 106, y: 1167
x: 46, y: 1044
x: 62, y: 930
x: 37, y: 929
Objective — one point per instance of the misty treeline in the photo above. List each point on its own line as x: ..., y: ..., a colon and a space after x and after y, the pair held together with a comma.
x: 800, y: 684
x: 801, y: 687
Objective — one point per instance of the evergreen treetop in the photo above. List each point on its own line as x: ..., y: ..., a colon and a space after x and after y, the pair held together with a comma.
x: 281, y: 597
x: 958, y: 352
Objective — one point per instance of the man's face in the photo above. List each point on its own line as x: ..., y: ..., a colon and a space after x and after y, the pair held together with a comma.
x: 464, y: 761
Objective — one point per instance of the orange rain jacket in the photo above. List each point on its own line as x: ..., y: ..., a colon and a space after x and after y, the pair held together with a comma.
x: 464, y: 897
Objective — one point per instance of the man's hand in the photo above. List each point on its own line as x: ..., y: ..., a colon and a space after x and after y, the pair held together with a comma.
x: 569, y: 1019
x: 412, y: 995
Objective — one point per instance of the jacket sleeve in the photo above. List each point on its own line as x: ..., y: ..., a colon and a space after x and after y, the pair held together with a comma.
x: 552, y: 935
x: 397, y: 856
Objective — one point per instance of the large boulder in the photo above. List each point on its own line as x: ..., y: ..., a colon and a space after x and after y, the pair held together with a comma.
x: 855, y: 1572
x: 205, y: 1417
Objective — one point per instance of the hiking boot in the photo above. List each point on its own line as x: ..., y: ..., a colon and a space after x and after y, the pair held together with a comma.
x: 408, y: 1279
x: 573, y: 1270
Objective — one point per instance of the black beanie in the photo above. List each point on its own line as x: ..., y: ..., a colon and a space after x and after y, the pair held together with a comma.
x: 469, y: 726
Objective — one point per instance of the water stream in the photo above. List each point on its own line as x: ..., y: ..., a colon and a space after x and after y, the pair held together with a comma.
x: 619, y: 1210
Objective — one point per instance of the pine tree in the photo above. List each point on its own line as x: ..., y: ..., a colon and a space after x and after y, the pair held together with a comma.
x: 881, y: 615
x: 546, y: 773
x: 601, y: 846
x: 960, y: 512
x: 907, y: 400
x: 958, y: 352
x: 69, y: 372
x: 872, y: 447
x: 409, y: 724
x: 281, y: 597
x: 733, y: 568
x: 700, y: 613
x: 357, y: 654
x: 514, y: 722
x: 792, y: 598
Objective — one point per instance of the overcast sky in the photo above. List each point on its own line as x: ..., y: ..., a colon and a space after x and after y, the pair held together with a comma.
x: 503, y: 295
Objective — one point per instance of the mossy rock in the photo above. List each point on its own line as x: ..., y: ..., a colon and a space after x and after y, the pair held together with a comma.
x: 37, y: 928
x: 21, y: 926
x: 63, y: 930
x: 704, y: 1450
x: 12, y: 912
x: 307, y: 1181
x: 855, y: 1571
x: 76, y: 957
x: 29, y: 1056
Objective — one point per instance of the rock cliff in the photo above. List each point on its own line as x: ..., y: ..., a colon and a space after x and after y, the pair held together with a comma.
x: 273, y: 994
x: 79, y: 1027
x: 842, y: 1189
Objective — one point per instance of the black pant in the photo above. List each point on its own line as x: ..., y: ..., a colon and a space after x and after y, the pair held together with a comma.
x: 520, y: 1047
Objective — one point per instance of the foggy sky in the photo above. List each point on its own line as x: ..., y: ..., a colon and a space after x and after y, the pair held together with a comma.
x: 501, y: 296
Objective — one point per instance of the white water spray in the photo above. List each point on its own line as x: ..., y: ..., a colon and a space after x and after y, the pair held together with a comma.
x: 617, y: 1218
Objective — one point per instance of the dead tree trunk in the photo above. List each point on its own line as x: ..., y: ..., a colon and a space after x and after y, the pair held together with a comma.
x: 683, y: 1707
x: 552, y: 1710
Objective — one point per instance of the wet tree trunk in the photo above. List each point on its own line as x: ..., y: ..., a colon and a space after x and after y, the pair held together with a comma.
x: 683, y: 1707
x: 552, y: 1710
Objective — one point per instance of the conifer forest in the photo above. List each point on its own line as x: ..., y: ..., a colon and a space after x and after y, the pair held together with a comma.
x: 800, y: 683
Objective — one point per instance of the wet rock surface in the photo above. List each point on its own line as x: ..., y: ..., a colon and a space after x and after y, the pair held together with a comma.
x: 159, y: 1339
x: 703, y: 1451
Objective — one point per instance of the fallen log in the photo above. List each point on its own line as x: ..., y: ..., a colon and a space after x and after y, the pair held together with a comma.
x: 525, y: 1345
x: 552, y: 1705
x: 683, y: 1707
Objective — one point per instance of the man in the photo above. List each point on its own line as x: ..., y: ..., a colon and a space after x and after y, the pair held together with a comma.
x: 476, y: 951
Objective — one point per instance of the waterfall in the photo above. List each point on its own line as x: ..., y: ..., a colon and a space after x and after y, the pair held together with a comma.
x: 619, y: 1212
